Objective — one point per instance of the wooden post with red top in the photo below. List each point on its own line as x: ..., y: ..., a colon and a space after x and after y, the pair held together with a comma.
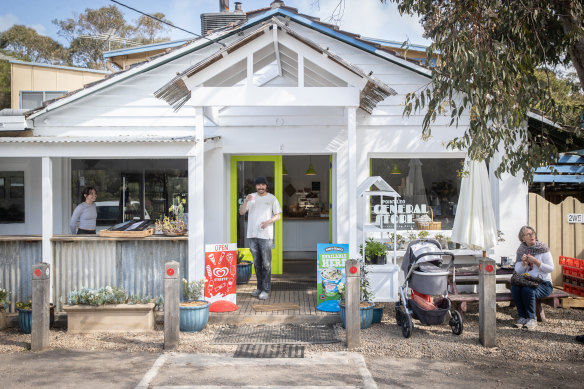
x: 353, y: 301
x: 40, y: 307
x: 487, y: 302
x: 171, y: 302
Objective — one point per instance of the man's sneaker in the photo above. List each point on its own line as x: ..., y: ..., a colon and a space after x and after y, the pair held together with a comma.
x: 264, y: 296
x: 520, y: 322
x: 256, y: 293
x: 531, y: 324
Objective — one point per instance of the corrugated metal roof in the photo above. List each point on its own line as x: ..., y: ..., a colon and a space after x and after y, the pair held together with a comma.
x: 46, y: 65
x: 105, y: 139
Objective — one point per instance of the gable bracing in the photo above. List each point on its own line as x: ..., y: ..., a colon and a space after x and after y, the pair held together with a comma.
x: 288, y: 62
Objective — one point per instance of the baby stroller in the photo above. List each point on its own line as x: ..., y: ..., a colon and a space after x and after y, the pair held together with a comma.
x: 425, y: 274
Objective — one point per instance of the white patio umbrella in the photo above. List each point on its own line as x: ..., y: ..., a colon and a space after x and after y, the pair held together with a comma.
x: 415, y: 189
x: 474, y: 223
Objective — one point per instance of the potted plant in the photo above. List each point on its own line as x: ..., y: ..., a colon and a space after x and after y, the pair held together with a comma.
x: 108, y: 309
x: 25, y: 315
x: 366, y: 296
x: 423, y: 234
x: 451, y: 245
x: 243, y: 268
x: 412, y: 236
x: 374, y: 252
x: 401, y: 242
x: 3, y: 307
x: 194, y: 312
x: 440, y: 238
x: 171, y: 226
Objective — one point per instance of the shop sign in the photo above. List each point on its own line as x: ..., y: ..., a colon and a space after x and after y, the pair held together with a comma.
x: 389, y: 212
x: 220, y: 272
x: 330, y: 272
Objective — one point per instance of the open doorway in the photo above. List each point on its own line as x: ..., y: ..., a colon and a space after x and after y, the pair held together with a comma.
x: 306, y: 198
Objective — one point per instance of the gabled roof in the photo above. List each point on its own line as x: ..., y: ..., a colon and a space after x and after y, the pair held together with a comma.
x: 176, y: 93
x: 210, y: 39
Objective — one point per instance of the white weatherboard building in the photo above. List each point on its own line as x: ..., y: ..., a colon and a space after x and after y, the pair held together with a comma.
x: 267, y: 97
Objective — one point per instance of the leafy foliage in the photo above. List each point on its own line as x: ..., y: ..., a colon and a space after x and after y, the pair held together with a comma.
x: 3, y: 297
x: 193, y: 290
x: 26, y: 44
x: 365, y: 292
x: 81, y: 32
x: 107, y: 295
x: 489, y: 52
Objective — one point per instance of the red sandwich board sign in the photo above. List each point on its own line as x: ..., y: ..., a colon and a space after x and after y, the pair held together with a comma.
x: 221, y: 273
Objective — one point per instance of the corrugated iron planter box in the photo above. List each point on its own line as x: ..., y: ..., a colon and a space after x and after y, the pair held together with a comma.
x: 110, y: 318
x: 2, y: 319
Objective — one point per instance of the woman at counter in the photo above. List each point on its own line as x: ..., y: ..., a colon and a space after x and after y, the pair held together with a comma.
x: 84, y: 216
x: 533, y: 257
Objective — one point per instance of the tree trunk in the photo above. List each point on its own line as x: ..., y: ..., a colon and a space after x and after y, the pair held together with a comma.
x: 571, y: 19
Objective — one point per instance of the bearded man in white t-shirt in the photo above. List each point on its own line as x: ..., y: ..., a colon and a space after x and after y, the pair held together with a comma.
x: 264, y: 211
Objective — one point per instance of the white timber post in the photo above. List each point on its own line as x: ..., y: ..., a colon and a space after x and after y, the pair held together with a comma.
x: 197, y: 201
x: 47, y: 215
x: 352, y: 178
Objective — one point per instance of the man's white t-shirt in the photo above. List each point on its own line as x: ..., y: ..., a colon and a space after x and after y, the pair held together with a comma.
x: 261, y: 209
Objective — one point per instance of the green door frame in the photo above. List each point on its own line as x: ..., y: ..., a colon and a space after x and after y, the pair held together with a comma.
x: 277, y: 265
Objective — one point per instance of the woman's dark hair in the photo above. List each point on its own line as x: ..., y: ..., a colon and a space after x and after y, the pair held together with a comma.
x: 86, y: 191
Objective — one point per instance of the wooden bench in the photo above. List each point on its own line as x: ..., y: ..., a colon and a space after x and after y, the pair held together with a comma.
x: 460, y: 301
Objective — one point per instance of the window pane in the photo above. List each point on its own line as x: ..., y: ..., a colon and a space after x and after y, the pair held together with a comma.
x: 30, y: 100
x: 129, y: 189
x: 11, y: 197
x: 428, y: 186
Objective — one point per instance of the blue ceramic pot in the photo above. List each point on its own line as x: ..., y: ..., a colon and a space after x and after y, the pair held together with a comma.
x: 195, y: 318
x: 243, y: 272
x: 377, y: 314
x: 25, y: 319
x: 366, y: 315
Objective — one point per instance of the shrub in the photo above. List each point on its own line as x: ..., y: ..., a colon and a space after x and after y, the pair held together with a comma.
x: 193, y: 290
x: 107, y: 295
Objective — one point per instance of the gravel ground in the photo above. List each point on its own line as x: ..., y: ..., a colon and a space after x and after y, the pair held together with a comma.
x: 550, y: 341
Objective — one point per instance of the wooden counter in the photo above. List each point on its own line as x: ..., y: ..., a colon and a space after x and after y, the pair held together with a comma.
x: 16, y: 238
x: 306, y: 218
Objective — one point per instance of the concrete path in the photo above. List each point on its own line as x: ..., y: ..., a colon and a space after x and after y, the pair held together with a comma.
x: 209, y: 371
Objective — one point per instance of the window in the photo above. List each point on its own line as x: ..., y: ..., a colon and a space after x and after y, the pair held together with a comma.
x: 30, y: 100
x: 427, y: 186
x: 12, y: 197
x: 128, y: 189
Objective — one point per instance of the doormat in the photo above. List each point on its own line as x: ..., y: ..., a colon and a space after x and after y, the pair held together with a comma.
x: 275, y: 307
x: 276, y: 334
x: 292, y: 285
x: 269, y: 351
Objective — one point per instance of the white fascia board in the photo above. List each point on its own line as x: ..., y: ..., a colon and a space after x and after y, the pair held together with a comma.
x: 12, y: 123
x: 542, y: 119
x: 90, y: 150
x: 275, y: 97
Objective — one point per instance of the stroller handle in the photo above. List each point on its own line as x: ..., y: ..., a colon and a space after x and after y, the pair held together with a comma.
x: 440, y: 253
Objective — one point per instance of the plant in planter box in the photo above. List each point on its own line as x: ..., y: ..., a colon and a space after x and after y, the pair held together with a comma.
x: 4, y: 298
x: 3, y: 307
x: 450, y: 243
x: 243, y: 268
x: 412, y: 236
x: 108, y: 309
x: 374, y: 252
x: 194, y: 312
x: 366, y: 296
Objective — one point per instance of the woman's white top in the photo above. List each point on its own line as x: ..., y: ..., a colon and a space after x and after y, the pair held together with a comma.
x: 84, y: 217
x: 544, y: 271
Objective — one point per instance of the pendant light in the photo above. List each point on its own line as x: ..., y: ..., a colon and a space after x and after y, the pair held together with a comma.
x: 310, y: 171
x: 395, y: 169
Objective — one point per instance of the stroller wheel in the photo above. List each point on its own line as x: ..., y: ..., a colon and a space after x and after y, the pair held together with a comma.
x: 399, y: 314
x: 456, y: 323
x: 407, y: 326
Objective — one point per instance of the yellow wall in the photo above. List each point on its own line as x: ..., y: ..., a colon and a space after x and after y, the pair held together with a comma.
x: 25, y: 77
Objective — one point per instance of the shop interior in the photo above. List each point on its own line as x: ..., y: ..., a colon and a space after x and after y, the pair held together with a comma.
x: 305, y: 207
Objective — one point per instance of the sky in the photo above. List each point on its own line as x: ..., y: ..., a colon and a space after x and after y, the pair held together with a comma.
x: 369, y: 18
